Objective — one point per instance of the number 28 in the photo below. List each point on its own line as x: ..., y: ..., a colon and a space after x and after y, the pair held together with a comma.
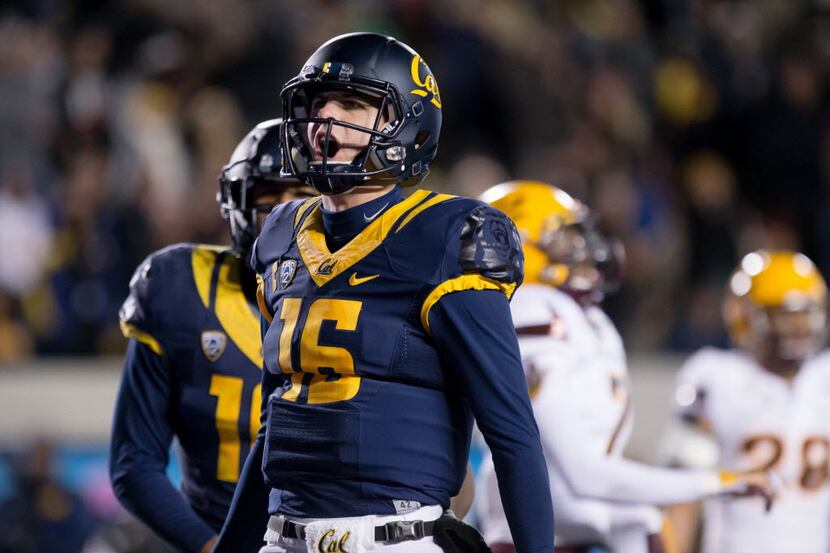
x: 768, y: 449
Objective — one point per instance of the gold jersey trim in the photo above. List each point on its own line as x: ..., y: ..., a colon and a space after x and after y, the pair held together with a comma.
x: 230, y: 306
x: 323, y: 265
x: 426, y: 205
x: 302, y: 209
x: 260, y: 299
x: 131, y: 331
x: 459, y: 284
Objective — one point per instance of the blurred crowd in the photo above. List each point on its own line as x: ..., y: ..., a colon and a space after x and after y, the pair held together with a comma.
x: 698, y: 130
x: 41, y: 514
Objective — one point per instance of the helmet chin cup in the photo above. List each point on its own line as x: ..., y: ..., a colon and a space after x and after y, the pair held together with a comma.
x: 335, y: 178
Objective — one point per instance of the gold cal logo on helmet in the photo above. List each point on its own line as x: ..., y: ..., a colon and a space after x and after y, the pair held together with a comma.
x: 427, y: 85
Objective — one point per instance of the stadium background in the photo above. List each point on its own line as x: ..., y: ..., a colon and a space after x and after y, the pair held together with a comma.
x: 698, y: 130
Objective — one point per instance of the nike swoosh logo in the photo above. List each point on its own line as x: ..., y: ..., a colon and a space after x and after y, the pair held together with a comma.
x: 355, y: 280
x: 372, y: 218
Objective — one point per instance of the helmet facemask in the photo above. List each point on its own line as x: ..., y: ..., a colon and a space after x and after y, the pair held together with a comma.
x: 783, y: 337
x: 233, y: 206
x: 251, y: 184
x: 244, y: 201
x: 310, y: 143
x: 583, y: 262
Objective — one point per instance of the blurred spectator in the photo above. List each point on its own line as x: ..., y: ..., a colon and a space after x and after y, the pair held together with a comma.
x: 471, y: 173
x: 42, y: 516
x: 16, y: 340
x: 699, y: 130
x: 25, y: 229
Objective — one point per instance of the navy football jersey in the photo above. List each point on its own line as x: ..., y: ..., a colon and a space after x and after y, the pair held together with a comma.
x: 372, y: 422
x: 187, y: 305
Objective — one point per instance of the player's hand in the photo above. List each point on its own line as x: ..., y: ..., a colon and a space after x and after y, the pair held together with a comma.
x: 748, y: 484
x: 208, y: 547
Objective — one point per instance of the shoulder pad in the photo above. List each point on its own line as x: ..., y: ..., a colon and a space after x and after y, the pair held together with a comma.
x: 133, y: 311
x: 136, y: 313
x: 278, y: 231
x: 481, y: 251
x: 490, y: 246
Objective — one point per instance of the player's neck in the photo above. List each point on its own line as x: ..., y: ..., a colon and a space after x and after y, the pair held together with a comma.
x: 786, y: 370
x: 355, y: 197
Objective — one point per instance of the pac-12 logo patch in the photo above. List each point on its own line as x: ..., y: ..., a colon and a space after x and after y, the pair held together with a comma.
x: 213, y: 344
x: 288, y: 268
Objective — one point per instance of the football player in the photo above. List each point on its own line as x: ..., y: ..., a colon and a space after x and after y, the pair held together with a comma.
x: 388, y: 326
x: 576, y: 368
x: 192, y: 369
x: 764, y: 406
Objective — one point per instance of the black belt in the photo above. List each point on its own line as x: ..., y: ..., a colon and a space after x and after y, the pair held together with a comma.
x: 392, y: 532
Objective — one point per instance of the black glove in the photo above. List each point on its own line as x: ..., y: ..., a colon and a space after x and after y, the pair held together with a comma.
x: 453, y: 536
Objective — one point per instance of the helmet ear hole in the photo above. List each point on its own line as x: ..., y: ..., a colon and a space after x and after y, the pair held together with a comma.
x: 421, y: 138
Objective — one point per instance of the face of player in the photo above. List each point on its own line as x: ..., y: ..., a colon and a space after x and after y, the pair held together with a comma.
x: 790, y: 338
x: 587, y: 254
x: 349, y: 107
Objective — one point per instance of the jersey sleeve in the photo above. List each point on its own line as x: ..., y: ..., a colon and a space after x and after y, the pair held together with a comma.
x: 559, y: 409
x: 139, y: 445
x: 142, y: 432
x: 647, y: 519
x: 483, y: 252
x: 474, y: 334
x: 136, y: 315
x: 490, y: 511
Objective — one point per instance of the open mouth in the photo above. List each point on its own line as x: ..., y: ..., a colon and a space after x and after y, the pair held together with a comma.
x: 320, y: 148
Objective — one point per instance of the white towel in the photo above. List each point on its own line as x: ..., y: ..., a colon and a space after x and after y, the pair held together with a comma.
x: 350, y: 535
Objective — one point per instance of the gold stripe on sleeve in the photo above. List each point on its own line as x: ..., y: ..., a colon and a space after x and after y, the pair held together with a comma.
x: 459, y: 284
x: 130, y: 331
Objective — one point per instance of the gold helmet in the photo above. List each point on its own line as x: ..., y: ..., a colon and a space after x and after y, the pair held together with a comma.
x: 557, y: 236
x: 776, y: 308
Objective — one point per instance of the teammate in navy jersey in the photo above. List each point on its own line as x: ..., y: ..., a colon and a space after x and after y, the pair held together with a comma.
x: 386, y: 329
x: 193, y: 364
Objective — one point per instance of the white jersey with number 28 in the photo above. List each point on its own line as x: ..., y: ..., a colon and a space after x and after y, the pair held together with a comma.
x: 762, y: 421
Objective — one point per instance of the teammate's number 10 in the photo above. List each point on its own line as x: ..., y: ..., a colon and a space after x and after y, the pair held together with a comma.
x: 327, y: 372
x: 228, y: 391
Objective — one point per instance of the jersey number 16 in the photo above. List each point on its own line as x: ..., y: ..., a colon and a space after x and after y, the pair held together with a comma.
x: 326, y: 372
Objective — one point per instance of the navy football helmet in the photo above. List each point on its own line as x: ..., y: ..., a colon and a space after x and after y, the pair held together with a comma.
x: 404, y: 138
x: 253, y: 171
